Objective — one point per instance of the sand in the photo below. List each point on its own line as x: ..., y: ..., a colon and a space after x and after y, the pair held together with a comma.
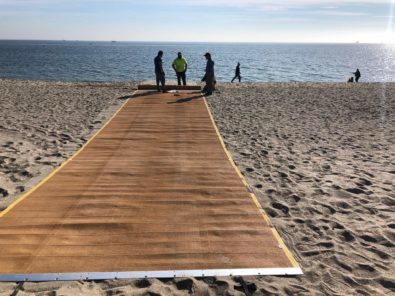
x: 320, y: 157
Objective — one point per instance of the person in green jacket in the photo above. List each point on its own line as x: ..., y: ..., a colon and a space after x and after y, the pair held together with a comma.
x: 180, y: 65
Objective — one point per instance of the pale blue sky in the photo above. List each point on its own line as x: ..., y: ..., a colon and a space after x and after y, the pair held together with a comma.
x: 199, y: 20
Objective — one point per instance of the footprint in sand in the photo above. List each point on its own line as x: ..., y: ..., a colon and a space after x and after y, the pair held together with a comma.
x: 387, y: 283
x: 185, y: 284
x: 20, y: 188
x: 244, y: 286
x: 388, y: 201
x: 368, y: 238
x: 25, y: 173
x: 342, y: 204
x: 355, y: 190
x: 272, y: 213
x: 221, y: 287
x: 364, y: 182
x: 295, y: 197
x: 144, y: 283
x: 281, y: 207
x: 3, y: 192
x: 347, y: 236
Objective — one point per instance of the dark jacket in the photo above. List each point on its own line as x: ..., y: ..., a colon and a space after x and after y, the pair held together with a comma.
x: 209, y: 71
x: 210, y: 67
x: 158, y: 65
x: 237, y: 71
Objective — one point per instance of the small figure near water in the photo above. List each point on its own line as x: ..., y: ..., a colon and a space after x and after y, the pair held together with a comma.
x: 209, y: 77
x: 357, y: 75
x: 237, y: 73
x: 180, y: 65
x: 160, y: 72
x: 350, y: 80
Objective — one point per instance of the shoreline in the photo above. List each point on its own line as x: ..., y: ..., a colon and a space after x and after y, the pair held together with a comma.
x: 192, y: 82
x: 320, y: 157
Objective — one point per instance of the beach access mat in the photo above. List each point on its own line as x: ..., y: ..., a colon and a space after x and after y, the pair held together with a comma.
x: 169, y: 87
x: 153, y: 194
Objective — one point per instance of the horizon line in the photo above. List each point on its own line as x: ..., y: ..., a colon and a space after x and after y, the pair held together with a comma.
x: 213, y: 42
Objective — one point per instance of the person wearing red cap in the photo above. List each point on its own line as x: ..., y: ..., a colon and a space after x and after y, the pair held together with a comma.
x: 209, y: 77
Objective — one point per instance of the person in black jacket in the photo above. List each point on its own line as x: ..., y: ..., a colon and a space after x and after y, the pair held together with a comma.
x: 209, y: 77
x: 237, y: 73
x: 357, y: 75
x: 159, y: 71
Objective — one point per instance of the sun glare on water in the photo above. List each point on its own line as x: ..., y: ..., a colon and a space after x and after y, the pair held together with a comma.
x: 390, y: 38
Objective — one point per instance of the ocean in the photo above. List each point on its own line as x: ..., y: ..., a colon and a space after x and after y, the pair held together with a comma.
x: 133, y: 61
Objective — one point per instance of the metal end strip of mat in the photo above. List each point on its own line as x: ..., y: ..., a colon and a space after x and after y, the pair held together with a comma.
x: 42, y: 277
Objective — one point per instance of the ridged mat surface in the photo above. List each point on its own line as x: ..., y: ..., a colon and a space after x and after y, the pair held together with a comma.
x: 154, y: 190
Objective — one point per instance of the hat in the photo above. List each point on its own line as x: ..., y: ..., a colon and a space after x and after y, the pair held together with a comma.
x: 207, y: 54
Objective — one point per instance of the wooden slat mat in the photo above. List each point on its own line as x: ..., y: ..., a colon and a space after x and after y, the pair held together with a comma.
x: 153, y: 194
x: 169, y: 87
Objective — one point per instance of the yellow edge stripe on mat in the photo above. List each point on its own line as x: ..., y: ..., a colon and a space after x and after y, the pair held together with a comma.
x: 16, y: 202
x: 254, y: 198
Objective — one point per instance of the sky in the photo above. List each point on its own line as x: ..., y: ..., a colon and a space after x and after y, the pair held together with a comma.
x: 342, y: 21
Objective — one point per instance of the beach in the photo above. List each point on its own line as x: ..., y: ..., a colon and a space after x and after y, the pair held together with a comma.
x: 320, y: 157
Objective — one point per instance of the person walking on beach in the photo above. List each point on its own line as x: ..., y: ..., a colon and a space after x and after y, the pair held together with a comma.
x: 180, y: 65
x: 357, y: 75
x: 237, y: 73
x: 159, y: 72
x: 209, y: 77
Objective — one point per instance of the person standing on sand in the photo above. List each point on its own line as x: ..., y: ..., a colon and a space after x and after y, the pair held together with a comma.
x: 357, y: 75
x: 159, y: 72
x: 209, y: 77
x: 237, y: 73
x: 180, y: 65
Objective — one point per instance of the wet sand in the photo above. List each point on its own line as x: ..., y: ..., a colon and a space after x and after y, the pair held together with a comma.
x: 320, y: 157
